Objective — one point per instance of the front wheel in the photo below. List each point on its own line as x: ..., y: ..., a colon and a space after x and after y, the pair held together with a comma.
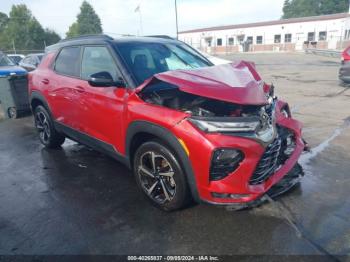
x: 160, y: 176
x: 48, y: 135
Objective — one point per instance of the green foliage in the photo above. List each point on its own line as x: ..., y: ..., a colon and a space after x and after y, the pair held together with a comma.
x: 73, y: 30
x: 3, y: 21
x: 51, y: 37
x: 87, y: 22
x: 303, y: 8
x: 24, y: 31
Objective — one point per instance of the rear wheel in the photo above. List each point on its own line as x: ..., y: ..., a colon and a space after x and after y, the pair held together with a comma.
x: 160, y: 176
x: 12, y: 113
x: 48, y: 135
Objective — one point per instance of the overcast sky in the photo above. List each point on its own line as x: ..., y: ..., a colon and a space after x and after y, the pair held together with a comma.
x: 158, y: 16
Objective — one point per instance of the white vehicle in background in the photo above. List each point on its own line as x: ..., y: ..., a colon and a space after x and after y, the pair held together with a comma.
x: 215, y: 60
x: 16, y: 58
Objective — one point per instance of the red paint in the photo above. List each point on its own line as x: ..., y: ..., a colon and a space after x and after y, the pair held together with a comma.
x: 105, y: 114
x: 346, y: 54
x: 237, y: 83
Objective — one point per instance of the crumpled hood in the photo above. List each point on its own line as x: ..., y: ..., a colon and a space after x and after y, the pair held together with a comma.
x: 11, y: 70
x: 237, y: 83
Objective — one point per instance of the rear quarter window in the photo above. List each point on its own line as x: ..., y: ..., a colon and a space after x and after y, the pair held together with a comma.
x: 68, y: 62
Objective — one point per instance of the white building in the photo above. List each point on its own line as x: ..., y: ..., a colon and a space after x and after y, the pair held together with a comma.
x: 323, y: 32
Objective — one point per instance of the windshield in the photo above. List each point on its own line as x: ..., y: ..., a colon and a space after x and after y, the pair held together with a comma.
x: 15, y: 58
x: 146, y: 59
x: 5, y: 61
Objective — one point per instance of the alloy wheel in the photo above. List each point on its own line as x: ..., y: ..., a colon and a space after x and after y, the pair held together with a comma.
x: 43, y: 126
x: 12, y: 112
x: 156, y: 177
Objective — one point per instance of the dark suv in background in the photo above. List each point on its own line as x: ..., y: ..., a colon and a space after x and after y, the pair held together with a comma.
x: 187, y: 129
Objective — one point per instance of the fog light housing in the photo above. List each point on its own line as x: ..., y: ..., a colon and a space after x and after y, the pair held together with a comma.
x: 224, y: 161
x: 290, y: 145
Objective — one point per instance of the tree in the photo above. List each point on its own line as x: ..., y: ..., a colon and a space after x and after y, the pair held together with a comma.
x: 303, y: 8
x: 3, y: 21
x: 334, y: 6
x: 51, y: 37
x: 87, y: 22
x: 24, y: 31
x: 73, y: 30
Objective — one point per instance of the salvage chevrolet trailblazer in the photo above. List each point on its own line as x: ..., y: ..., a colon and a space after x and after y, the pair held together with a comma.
x: 189, y: 130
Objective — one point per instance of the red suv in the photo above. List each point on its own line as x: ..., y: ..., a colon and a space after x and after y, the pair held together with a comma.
x: 187, y: 129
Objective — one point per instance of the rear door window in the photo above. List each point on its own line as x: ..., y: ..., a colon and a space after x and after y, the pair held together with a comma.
x: 68, y: 61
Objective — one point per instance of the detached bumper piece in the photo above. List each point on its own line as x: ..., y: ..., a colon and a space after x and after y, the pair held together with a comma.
x: 291, y: 179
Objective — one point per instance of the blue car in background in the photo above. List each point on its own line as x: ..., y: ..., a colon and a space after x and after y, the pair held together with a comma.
x: 8, y: 67
x: 13, y: 88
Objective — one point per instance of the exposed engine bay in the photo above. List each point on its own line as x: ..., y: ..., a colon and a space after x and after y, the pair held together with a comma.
x: 168, y: 95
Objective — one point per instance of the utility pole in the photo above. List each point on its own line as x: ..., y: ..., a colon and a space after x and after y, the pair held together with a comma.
x: 13, y: 46
x: 138, y: 9
x: 177, y: 27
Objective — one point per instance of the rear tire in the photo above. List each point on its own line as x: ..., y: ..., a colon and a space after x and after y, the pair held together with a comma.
x: 12, y: 113
x: 48, y: 135
x: 160, y: 176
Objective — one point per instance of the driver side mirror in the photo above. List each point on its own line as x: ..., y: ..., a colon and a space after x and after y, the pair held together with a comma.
x: 105, y: 79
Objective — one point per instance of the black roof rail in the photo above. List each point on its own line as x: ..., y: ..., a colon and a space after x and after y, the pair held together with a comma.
x: 161, y: 36
x: 95, y: 36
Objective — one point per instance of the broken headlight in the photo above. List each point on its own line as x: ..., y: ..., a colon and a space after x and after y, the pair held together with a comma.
x: 226, y: 124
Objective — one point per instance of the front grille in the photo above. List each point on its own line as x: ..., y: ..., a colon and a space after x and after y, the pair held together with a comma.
x: 268, y: 162
x: 275, y: 155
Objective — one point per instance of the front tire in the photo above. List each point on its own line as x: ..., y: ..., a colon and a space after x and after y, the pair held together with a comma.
x: 48, y: 135
x: 160, y: 176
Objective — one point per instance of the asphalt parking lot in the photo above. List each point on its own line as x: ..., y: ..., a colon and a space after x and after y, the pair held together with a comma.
x: 77, y: 201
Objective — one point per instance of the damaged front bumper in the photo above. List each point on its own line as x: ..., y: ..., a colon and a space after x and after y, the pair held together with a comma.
x: 248, y: 183
x: 289, y: 181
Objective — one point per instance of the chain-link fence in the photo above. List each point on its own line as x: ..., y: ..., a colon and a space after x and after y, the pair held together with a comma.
x: 23, y: 52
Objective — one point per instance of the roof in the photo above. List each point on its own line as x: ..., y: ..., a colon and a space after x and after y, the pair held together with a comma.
x: 98, y: 39
x: 274, y: 22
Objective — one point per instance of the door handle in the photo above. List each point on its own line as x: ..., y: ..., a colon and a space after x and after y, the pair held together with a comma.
x: 45, y: 81
x: 80, y: 89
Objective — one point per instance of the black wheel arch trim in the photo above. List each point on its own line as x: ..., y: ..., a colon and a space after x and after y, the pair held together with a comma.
x: 91, y: 142
x: 165, y: 135
x: 37, y: 95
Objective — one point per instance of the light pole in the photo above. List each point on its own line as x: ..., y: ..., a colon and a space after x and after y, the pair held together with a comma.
x: 177, y: 27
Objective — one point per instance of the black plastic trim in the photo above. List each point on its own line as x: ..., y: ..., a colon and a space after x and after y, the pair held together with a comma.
x: 92, y: 142
x: 37, y: 95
